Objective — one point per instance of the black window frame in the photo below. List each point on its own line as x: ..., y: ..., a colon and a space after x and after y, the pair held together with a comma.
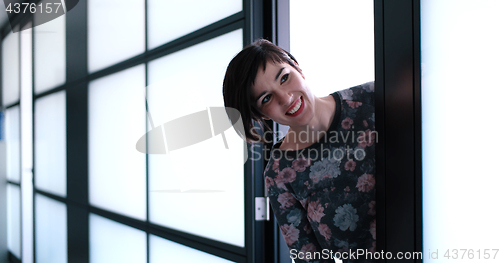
x: 76, y: 87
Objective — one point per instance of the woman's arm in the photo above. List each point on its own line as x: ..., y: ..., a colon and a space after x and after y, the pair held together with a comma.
x: 294, y: 225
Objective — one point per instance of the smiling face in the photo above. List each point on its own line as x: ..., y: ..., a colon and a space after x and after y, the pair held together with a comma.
x: 280, y: 93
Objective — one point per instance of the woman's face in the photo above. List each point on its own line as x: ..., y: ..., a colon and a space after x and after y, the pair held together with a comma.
x: 281, y: 94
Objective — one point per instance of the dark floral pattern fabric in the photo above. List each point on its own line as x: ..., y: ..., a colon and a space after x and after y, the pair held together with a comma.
x: 323, y: 196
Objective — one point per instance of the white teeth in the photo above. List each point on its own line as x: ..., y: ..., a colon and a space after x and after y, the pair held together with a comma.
x: 296, y: 108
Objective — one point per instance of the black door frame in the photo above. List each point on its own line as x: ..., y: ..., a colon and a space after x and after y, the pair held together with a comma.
x: 398, y: 115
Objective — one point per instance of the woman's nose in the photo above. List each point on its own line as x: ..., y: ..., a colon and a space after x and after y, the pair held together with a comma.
x: 285, y: 97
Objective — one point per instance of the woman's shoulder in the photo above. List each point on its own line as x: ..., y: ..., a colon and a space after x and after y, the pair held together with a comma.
x: 361, y: 93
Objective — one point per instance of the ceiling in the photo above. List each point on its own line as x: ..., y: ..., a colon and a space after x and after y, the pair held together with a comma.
x: 4, y: 19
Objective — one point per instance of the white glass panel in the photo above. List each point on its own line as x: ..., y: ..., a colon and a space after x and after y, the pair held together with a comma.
x: 12, y: 138
x: 27, y: 144
x: 460, y: 84
x: 333, y: 41
x: 51, y: 237
x: 197, y: 186
x: 168, y: 20
x: 10, y: 69
x: 116, y: 31
x: 50, y: 54
x: 114, y: 242
x: 162, y: 250
x: 117, y: 119
x: 14, y: 219
x: 50, y: 143
x: 26, y: 65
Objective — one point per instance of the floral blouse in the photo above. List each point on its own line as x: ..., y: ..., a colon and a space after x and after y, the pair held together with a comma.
x: 323, y: 196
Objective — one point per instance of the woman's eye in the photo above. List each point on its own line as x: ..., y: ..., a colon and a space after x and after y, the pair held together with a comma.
x: 266, y: 99
x: 284, y: 78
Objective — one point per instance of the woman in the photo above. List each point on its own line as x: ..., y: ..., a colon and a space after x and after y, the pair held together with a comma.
x: 320, y: 177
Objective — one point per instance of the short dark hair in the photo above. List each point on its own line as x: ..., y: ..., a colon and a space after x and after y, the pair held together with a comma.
x: 240, y: 78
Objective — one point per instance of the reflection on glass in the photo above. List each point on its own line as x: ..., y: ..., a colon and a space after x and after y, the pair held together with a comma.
x: 10, y: 69
x: 14, y: 219
x: 51, y: 230
x: 12, y: 139
x: 50, y: 143
x: 193, y: 187
x: 168, y: 20
x: 460, y: 93
x: 116, y: 31
x: 334, y: 42
x: 117, y: 119
x: 110, y: 241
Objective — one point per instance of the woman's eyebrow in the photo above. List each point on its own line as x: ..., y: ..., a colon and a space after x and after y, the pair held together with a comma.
x: 276, y: 78
x: 258, y: 97
x: 279, y: 73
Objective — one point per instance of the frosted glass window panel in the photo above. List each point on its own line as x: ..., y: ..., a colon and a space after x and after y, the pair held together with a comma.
x: 114, y: 242
x: 168, y: 20
x: 26, y: 101
x: 50, y: 143
x: 26, y: 64
x: 14, y: 219
x: 50, y: 54
x: 162, y: 250
x: 10, y: 69
x: 191, y: 188
x: 12, y: 138
x: 333, y: 41
x: 460, y: 85
x: 116, y: 31
x: 51, y: 237
x: 117, y: 119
